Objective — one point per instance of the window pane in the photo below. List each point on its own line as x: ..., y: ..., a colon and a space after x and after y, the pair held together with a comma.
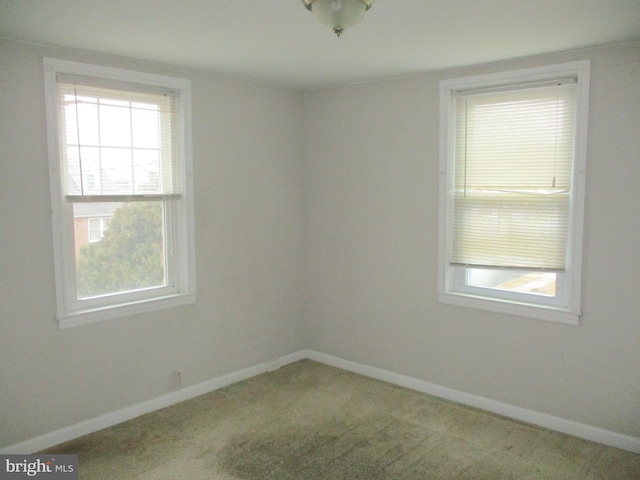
x: 507, y: 229
x: 116, y: 168
x: 146, y: 126
x: 129, y: 255
x: 81, y: 120
x: 115, y: 126
x: 146, y: 171
x: 103, y: 129
x: 95, y: 230
x: 523, y: 281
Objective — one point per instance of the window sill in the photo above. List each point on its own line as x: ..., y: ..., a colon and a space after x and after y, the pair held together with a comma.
x: 539, y: 312
x: 98, y: 314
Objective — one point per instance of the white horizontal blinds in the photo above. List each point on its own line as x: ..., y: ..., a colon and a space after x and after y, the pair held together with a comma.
x: 513, y: 165
x: 117, y: 140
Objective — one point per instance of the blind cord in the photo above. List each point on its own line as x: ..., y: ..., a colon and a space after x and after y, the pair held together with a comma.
x: 75, y: 98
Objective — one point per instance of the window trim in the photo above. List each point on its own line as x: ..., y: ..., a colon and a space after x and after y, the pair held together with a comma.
x: 70, y: 312
x: 481, y: 298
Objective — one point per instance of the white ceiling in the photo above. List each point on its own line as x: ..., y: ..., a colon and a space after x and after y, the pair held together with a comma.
x: 279, y: 41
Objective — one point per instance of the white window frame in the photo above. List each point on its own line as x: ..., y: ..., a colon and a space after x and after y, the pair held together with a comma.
x: 453, y: 289
x: 70, y: 311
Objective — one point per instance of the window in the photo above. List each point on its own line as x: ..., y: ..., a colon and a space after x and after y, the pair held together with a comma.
x: 513, y: 149
x: 121, y: 191
x: 97, y: 227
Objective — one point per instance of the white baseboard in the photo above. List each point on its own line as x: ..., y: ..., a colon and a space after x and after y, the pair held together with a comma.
x: 113, y: 418
x: 587, y: 432
x: 580, y: 430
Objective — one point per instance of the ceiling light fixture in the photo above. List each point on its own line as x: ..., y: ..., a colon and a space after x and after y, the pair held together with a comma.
x: 338, y: 14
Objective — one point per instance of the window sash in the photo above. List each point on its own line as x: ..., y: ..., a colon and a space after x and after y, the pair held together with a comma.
x: 168, y: 286
x: 107, y: 147
x: 460, y: 279
x: 513, y: 165
x: 510, y: 231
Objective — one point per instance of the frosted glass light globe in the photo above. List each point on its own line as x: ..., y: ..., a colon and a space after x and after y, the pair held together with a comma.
x: 338, y: 14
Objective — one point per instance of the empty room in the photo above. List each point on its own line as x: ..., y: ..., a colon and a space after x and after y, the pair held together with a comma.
x: 320, y: 239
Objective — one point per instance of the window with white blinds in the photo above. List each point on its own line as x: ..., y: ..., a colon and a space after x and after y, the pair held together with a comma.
x: 121, y: 191
x: 117, y: 139
x: 513, y: 164
x: 513, y: 154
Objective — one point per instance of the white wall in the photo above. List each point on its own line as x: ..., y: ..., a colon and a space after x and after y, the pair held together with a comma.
x: 249, y: 246
x: 372, y: 213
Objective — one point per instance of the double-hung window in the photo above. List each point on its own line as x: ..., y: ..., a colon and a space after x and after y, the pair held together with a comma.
x: 513, y: 149
x: 121, y: 190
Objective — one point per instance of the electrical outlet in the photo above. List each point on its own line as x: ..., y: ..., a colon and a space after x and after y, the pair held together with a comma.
x: 273, y: 365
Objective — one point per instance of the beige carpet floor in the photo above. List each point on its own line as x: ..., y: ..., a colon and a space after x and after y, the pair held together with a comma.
x: 311, y: 421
